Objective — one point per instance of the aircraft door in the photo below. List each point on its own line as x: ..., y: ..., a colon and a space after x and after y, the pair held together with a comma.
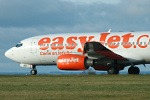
x: 34, y: 45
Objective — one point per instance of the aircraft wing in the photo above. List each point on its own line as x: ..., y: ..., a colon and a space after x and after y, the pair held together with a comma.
x: 97, y: 51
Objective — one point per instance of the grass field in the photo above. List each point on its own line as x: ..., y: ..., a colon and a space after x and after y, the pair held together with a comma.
x: 75, y: 87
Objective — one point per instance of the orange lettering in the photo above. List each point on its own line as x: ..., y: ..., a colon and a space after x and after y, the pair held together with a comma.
x: 126, y: 40
x: 58, y: 44
x: 138, y: 40
x: 103, y: 37
x: 111, y: 41
x: 43, y: 43
x: 71, y: 43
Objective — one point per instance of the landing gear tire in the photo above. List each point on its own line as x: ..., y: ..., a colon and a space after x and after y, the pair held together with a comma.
x: 133, y: 70
x: 33, y: 72
x: 113, y: 70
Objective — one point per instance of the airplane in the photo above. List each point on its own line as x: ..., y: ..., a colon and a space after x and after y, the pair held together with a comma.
x: 106, y: 51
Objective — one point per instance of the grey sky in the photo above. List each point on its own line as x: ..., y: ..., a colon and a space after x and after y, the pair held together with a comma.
x: 20, y: 19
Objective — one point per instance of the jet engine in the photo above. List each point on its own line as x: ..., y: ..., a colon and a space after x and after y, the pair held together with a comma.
x: 73, y: 62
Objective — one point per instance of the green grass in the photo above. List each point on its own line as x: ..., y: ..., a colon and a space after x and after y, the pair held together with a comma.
x: 75, y: 87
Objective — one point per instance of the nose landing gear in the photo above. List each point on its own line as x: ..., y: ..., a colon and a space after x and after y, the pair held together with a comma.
x: 133, y: 70
x: 33, y: 71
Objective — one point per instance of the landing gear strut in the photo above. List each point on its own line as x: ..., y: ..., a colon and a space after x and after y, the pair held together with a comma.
x: 113, y: 70
x: 33, y: 71
x: 133, y: 70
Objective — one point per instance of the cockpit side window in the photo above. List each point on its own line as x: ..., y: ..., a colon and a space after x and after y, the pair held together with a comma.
x: 19, y: 44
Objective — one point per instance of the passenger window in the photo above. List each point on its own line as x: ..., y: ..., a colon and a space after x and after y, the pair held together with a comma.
x: 118, y: 43
x: 133, y: 43
x: 110, y: 44
x: 69, y: 44
x: 129, y: 43
x: 121, y: 43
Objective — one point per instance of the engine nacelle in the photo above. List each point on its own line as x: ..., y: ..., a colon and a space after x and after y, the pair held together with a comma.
x: 72, y: 62
x: 26, y: 65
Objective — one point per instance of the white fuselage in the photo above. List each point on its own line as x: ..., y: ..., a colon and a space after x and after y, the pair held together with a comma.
x: 45, y: 49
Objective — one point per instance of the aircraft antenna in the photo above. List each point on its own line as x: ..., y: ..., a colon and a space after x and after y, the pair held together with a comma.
x: 109, y: 30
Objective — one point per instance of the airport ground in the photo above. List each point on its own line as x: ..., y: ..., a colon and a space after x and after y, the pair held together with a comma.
x: 75, y: 87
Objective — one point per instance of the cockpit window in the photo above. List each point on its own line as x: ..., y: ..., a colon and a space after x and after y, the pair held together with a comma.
x: 19, y: 44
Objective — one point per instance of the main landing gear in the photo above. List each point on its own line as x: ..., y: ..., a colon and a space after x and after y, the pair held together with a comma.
x: 33, y: 71
x: 133, y: 70
x: 113, y: 70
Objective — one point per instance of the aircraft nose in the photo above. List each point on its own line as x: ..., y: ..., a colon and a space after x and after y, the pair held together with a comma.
x: 8, y: 54
x: 12, y: 54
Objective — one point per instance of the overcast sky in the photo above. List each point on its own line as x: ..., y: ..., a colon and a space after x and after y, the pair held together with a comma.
x: 20, y: 19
